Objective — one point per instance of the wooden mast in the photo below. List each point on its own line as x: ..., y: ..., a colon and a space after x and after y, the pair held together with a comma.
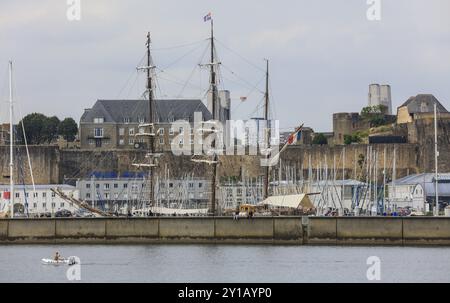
x: 151, y: 120
x: 214, y: 117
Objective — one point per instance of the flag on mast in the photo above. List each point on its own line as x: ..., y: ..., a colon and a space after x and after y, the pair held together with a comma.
x: 207, y: 17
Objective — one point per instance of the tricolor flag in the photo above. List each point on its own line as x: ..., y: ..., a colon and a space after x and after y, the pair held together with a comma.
x: 293, y: 138
x: 207, y: 17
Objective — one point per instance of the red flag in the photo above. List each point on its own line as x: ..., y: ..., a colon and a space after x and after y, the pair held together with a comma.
x: 7, y: 195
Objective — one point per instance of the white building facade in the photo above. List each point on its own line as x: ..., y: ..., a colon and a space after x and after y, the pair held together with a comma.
x: 38, y: 200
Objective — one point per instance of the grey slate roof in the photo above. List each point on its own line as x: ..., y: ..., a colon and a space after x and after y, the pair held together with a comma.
x: 427, y: 180
x: 166, y: 110
x: 414, y: 104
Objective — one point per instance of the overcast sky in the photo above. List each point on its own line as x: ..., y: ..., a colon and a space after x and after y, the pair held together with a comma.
x: 323, y: 54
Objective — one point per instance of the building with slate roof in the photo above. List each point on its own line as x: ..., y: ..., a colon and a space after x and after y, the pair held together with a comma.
x: 113, y: 124
x: 419, y: 191
x: 418, y: 107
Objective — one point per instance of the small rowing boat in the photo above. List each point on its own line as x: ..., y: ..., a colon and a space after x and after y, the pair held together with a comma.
x: 62, y: 261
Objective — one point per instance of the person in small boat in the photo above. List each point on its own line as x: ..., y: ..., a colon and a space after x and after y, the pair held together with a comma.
x: 57, y: 256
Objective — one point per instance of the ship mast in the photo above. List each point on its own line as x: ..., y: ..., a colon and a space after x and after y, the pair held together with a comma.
x: 150, y: 104
x: 266, y: 118
x: 213, y: 88
x: 11, y: 142
x: 151, y: 126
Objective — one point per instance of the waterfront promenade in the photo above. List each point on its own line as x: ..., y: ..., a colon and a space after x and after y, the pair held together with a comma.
x: 398, y: 231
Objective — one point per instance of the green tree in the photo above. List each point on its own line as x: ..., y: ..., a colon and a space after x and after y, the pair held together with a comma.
x: 34, y: 125
x: 50, y: 129
x: 68, y: 128
x: 375, y: 115
x: 354, y: 138
x: 320, y: 139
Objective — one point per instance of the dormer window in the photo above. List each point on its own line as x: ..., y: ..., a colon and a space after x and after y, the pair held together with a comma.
x: 126, y: 120
x: 141, y: 120
x: 99, y: 120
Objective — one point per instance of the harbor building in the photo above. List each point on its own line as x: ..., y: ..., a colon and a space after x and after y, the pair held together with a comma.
x: 418, y: 191
x: 118, y: 193
x: 114, y: 124
x: 40, y: 199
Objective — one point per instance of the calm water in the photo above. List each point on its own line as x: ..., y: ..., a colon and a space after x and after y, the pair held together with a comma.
x: 224, y: 263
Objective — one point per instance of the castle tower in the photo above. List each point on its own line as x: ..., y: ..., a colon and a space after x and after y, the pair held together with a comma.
x: 380, y: 95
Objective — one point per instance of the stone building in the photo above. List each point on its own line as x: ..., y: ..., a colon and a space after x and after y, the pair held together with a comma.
x: 4, y: 134
x: 380, y: 95
x: 418, y: 107
x: 114, y: 124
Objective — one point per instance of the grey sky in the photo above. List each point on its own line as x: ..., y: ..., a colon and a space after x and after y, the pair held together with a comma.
x: 323, y: 54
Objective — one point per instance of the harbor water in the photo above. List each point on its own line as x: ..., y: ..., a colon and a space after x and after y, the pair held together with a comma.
x: 225, y: 263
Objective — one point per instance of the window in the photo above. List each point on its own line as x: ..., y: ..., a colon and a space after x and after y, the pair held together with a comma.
x: 97, y: 185
x: 53, y: 195
x: 99, y: 120
x: 106, y: 186
x: 116, y: 196
x: 61, y: 204
x: 125, y: 185
x: 53, y: 205
x: 161, y: 140
x: 141, y: 120
x: 88, y: 195
x: 44, y: 205
x: 34, y: 205
x: 171, y: 185
x: 181, y: 129
x: 131, y: 141
x: 88, y: 185
x: 191, y: 185
x: 44, y: 195
x: 98, y: 132
x: 17, y: 195
x: 26, y: 195
x: 126, y: 120
x: 91, y: 142
x: 131, y: 131
x: 161, y: 131
x: 181, y: 142
x: 121, y: 142
x: 107, y: 196
x: 35, y: 195
x: 116, y: 185
x: 121, y: 131
x: 200, y: 185
x: 171, y: 131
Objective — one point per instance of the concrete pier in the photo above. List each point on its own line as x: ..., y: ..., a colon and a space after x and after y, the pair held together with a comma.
x: 260, y: 230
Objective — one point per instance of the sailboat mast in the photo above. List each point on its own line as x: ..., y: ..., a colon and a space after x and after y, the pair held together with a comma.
x: 266, y: 118
x: 150, y: 104
x: 11, y: 142
x: 214, y: 117
x: 436, y: 155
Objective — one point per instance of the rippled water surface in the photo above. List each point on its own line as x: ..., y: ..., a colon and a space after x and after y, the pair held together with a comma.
x: 225, y: 263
